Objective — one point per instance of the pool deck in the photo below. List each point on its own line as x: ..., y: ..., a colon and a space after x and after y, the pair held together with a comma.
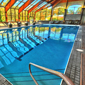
x: 4, y: 81
x: 82, y: 79
x: 76, y: 66
x: 9, y: 28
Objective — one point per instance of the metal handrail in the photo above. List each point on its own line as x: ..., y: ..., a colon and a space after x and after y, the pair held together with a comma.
x: 64, y: 77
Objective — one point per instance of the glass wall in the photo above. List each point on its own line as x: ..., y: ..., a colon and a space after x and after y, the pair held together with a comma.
x: 74, y: 7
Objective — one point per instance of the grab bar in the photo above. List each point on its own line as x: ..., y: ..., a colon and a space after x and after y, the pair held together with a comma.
x: 64, y: 77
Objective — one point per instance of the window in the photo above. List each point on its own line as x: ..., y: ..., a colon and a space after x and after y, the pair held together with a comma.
x: 24, y: 15
x: 31, y: 17
x: 37, y: 16
x: 48, y: 14
x: 2, y: 14
x: 55, y: 13
x: 58, y: 13
x: 74, y: 9
x: 4, y: 2
x: 43, y: 14
x: 16, y: 11
x: 21, y: 16
x: 13, y: 14
x: 9, y: 15
x: 61, y: 12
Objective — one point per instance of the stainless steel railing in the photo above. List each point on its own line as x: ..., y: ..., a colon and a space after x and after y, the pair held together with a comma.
x: 64, y: 77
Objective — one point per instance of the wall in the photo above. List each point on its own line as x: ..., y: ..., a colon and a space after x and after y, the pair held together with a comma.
x: 73, y: 17
x: 83, y: 18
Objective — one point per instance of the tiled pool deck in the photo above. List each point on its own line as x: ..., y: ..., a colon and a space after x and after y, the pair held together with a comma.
x: 73, y: 68
x: 3, y: 81
x: 82, y: 81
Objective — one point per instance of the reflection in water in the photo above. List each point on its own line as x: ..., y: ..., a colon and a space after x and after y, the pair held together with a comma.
x: 68, y: 37
x: 58, y: 33
x: 42, y: 32
x: 55, y: 33
x: 16, y: 42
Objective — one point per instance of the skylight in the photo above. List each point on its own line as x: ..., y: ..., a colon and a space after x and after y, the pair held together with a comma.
x: 41, y: 5
x: 33, y: 4
x: 0, y: 1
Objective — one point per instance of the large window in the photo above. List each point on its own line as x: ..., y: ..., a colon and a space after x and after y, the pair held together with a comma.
x: 43, y: 15
x: 48, y: 15
x: 74, y: 9
x: 13, y: 14
x: 21, y: 16
x: 9, y: 15
x: 61, y: 12
x: 24, y: 15
x: 31, y: 16
x: 38, y: 16
x: 16, y: 11
x: 2, y: 14
x: 58, y: 13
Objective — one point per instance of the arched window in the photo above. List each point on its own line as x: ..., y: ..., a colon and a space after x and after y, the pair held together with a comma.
x: 58, y: 13
x: 74, y: 9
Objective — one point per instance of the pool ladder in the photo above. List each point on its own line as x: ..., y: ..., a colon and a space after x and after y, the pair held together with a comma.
x: 64, y: 77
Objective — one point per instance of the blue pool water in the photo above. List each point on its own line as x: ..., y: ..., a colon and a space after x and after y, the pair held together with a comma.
x: 47, y: 46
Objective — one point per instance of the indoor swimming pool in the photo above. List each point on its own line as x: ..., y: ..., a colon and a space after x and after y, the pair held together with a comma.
x: 46, y: 45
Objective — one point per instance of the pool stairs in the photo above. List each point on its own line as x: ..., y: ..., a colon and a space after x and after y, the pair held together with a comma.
x: 24, y: 78
x: 44, y: 76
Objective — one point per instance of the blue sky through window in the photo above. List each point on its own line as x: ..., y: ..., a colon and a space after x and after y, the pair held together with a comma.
x: 0, y: 1
x: 73, y: 8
